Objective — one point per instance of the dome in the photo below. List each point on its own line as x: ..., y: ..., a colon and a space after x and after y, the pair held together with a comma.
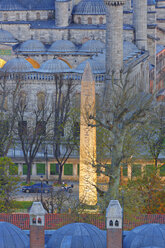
x: 12, y: 237
x: 54, y: 66
x: 92, y: 46
x: 90, y: 7
x: 146, y: 236
x: 6, y: 37
x: 78, y: 235
x: 17, y: 65
x: 97, y: 65
x: 11, y: 5
x: 32, y: 46
x: 62, y: 46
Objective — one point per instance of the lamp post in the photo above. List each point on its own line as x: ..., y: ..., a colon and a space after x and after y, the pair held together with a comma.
x: 46, y: 160
x: 41, y: 179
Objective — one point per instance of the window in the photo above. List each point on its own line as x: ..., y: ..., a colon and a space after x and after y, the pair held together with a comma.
x: 79, y: 20
x: 34, y: 220
x: 3, y: 101
x: 22, y: 99
x: 27, y: 16
x: 41, y: 100
x: 89, y: 20
x: 38, y: 16
x: 136, y: 170
x: 76, y: 129
x: 40, y: 169
x: 68, y: 169
x: 101, y: 20
x: 5, y: 17
x: 54, y: 169
x: 111, y: 223
x: 17, y: 17
x: 22, y: 127
x: 41, y: 128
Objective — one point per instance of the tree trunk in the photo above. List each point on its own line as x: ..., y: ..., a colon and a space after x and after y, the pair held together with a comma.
x: 60, y: 175
x: 28, y: 178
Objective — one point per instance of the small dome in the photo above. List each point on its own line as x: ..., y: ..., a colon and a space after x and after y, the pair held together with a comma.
x: 17, y: 65
x: 6, y: 37
x: 54, y: 66
x: 90, y: 7
x: 78, y: 235
x: 146, y: 236
x: 92, y: 46
x: 32, y: 46
x: 12, y: 237
x: 62, y: 46
x: 97, y: 65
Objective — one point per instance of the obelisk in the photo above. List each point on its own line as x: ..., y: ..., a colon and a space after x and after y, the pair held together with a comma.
x: 88, y: 176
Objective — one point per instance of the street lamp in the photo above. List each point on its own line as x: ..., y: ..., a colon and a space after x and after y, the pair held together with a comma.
x: 41, y: 179
x: 46, y: 159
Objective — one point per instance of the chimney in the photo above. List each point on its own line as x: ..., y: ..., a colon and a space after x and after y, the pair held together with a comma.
x: 37, y: 223
x: 114, y: 224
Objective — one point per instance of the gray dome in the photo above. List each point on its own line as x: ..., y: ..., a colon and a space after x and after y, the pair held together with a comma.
x: 6, y: 37
x: 92, y: 46
x: 146, y: 236
x: 62, y: 46
x: 97, y: 65
x: 78, y: 235
x: 12, y: 237
x: 11, y: 5
x: 54, y: 66
x: 32, y: 46
x: 90, y: 7
x: 17, y: 65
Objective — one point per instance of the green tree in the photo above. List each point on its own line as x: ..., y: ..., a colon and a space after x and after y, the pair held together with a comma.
x: 144, y: 194
x: 8, y: 184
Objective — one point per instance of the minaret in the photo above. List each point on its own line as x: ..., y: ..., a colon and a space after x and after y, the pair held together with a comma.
x: 88, y: 176
x: 140, y: 23
x: 114, y: 224
x: 114, y: 36
x: 63, y: 11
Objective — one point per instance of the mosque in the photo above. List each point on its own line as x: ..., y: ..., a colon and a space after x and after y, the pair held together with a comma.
x: 39, y: 39
x: 62, y: 35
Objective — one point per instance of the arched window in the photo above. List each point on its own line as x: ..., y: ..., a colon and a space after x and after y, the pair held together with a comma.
x: 101, y: 20
x: 111, y: 223
x: 5, y: 17
x: 116, y: 223
x: 89, y: 20
x: 34, y: 220
x: 39, y: 221
x: 38, y: 16
x: 79, y: 20
x: 50, y: 15
x: 22, y: 100
x: 41, y: 100
x: 17, y: 17
x: 27, y: 16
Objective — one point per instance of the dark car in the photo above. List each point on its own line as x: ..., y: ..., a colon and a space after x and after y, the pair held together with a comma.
x: 37, y: 188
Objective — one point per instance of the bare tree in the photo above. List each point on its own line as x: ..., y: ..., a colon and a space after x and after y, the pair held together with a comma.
x: 65, y: 121
x: 152, y: 134
x: 124, y: 109
x: 9, y: 98
x: 33, y: 128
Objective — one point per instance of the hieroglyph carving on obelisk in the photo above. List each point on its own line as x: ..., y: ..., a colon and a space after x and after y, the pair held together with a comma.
x: 88, y: 176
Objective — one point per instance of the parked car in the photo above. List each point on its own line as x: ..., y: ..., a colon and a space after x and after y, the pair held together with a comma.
x: 37, y: 188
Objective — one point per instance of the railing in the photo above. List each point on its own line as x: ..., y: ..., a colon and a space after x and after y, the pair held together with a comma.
x: 55, y: 221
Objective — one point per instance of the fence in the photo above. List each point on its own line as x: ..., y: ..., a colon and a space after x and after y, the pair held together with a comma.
x: 55, y: 221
